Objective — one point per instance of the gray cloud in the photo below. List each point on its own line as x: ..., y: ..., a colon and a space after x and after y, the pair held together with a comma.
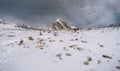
x: 93, y: 13
x: 82, y: 13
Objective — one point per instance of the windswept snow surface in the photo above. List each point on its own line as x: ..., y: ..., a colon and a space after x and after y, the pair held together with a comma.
x: 84, y: 50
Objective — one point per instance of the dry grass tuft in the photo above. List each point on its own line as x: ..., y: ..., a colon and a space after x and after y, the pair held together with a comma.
x: 68, y: 54
x: 86, y: 63
x: 30, y: 38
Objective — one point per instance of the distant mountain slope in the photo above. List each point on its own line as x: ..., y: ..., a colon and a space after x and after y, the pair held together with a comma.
x: 114, y: 25
x: 8, y: 25
x: 83, y: 50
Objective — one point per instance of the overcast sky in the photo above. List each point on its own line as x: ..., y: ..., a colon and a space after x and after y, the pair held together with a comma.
x: 41, y: 13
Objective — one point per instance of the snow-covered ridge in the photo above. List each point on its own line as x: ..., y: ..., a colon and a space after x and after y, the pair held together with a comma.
x: 8, y: 25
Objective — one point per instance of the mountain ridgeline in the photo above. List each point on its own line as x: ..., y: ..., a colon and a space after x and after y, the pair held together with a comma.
x: 59, y: 24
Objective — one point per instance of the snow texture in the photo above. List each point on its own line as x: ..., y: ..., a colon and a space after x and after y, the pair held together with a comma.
x: 83, y: 50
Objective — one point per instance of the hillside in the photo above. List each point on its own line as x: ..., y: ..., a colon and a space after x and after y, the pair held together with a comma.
x: 83, y: 50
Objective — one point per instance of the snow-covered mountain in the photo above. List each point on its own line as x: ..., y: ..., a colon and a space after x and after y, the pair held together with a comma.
x: 40, y: 50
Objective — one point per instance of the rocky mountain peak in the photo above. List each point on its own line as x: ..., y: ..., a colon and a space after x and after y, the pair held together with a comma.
x: 59, y: 24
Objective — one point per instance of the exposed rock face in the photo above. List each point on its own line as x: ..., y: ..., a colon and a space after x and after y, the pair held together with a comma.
x: 61, y: 25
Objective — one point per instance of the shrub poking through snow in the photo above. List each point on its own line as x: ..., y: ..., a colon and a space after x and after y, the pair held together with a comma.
x: 20, y: 42
x: 51, y: 40
x: 106, y: 56
x: 100, y: 45
x: 68, y: 54
x: 10, y: 36
x: 40, y: 33
x: 117, y: 67
x: 30, y: 38
x: 89, y: 59
x: 86, y: 63
x: 76, y: 39
x: 26, y: 47
x: 40, y: 46
x: 59, y: 56
x: 84, y: 41
x: 79, y: 48
x: 60, y: 40
x: 55, y: 34
x: 65, y: 48
x: 98, y: 61
x: 72, y: 40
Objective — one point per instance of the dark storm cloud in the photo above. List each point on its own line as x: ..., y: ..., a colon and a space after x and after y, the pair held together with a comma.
x: 89, y: 13
x: 31, y: 11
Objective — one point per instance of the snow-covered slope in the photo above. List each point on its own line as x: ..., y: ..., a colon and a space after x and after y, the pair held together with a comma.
x: 84, y: 50
x: 4, y: 25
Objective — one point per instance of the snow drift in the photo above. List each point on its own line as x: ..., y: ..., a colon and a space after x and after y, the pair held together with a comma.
x: 40, y: 50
